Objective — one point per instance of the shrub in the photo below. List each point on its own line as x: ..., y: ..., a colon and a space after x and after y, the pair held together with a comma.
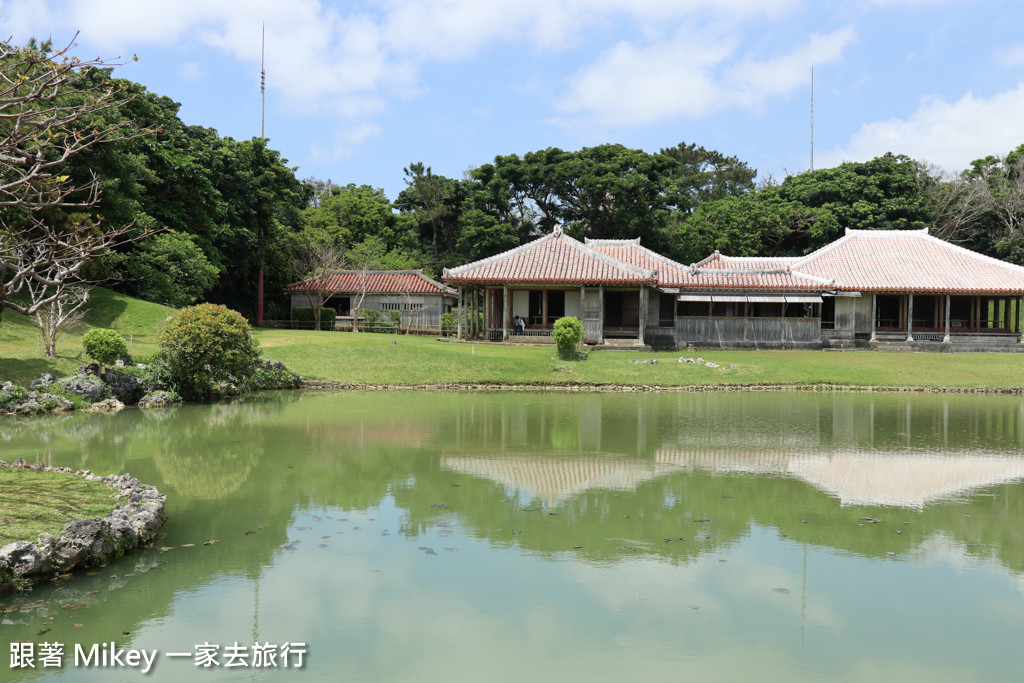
x: 568, y: 333
x: 11, y: 395
x: 304, y: 314
x: 447, y: 322
x: 371, y: 318
x: 395, y: 317
x: 104, y: 346
x: 205, y: 347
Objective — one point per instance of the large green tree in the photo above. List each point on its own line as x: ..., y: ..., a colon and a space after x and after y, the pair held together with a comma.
x: 707, y: 175
x: 50, y: 115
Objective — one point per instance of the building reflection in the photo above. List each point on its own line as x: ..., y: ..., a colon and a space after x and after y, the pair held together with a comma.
x: 887, y: 450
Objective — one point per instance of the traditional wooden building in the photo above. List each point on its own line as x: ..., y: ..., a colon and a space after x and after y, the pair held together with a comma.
x: 557, y: 276
x: 868, y: 288
x: 420, y: 299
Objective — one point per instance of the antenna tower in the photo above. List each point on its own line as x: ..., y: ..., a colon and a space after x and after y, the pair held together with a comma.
x: 812, y: 117
x: 263, y: 78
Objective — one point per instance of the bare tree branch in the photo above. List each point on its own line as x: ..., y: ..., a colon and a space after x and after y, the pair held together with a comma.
x: 47, y: 117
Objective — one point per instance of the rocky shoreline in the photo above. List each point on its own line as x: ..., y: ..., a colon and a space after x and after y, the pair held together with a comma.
x: 88, y: 542
x: 630, y: 388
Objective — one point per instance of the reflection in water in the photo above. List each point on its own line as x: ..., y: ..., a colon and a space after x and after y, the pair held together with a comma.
x: 561, y: 536
x: 865, y: 450
x: 855, y: 478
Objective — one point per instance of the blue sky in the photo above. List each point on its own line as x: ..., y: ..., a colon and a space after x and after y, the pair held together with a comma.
x: 358, y: 90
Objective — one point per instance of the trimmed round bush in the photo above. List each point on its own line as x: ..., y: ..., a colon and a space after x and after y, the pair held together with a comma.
x: 207, y: 350
x: 568, y: 333
x: 104, y: 346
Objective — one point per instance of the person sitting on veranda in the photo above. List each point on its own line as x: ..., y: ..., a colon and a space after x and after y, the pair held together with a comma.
x: 519, y: 326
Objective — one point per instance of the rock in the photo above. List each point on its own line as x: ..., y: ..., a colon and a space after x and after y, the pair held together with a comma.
x: 89, y: 387
x: 89, y: 542
x: 106, y: 405
x: 38, y: 403
x: 88, y: 369
x: 126, y: 387
x: 44, y: 381
x: 159, y: 399
x: 22, y: 557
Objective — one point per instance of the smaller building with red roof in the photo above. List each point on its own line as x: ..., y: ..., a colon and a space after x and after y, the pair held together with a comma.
x: 420, y: 299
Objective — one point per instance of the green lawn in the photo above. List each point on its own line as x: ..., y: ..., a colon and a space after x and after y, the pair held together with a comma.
x: 21, y: 353
x: 387, y: 359
x: 367, y: 358
x: 36, y: 502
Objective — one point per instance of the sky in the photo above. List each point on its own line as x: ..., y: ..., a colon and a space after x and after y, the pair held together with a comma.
x: 356, y: 91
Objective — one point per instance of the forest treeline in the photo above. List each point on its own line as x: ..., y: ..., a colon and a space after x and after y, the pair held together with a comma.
x: 207, y: 212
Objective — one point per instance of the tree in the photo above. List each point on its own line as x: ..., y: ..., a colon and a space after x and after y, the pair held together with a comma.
x: 1002, y: 199
x: 316, y: 263
x: 48, y: 230
x: 958, y: 203
x: 884, y: 193
x: 352, y: 213
x: 169, y: 268
x: 366, y: 257
x: 759, y: 224
x: 426, y: 195
x: 705, y: 175
x: 64, y: 311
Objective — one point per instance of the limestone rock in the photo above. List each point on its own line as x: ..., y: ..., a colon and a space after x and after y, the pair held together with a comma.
x: 125, y: 386
x: 106, y: 405
x: 89, y: 387
x: 159, y: 399
x: 22, y: 557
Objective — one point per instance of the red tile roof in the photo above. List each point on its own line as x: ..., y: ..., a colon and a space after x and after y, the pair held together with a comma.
x: 862, y: 260
x: 377, y: 282
x: 629, y: 251
x: 554, y: 258
x: 749, y: 272
x: 908, y: 261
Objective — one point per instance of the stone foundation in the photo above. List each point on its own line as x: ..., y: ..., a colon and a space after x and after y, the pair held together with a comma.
x: 87, y: 542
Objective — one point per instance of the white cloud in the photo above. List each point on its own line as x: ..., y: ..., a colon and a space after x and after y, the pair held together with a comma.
x: 345, y: 142
x: 950, y: 135
x: 1009, y: 56
x: 692, y: 75
x: 191, y: 71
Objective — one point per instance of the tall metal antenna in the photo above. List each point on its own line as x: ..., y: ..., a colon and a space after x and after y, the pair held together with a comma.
x: 259, y: 247
x: 263, y: 78
x: 812, y: 117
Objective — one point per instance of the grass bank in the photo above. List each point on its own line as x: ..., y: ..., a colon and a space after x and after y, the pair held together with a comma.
x: 21, y: 353
x: 366, y: 358
x: 37, y: 502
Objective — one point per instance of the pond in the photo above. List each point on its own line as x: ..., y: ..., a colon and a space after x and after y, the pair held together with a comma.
x: 547, y: 536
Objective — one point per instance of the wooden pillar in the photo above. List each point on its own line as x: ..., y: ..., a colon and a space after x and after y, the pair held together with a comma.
x: 874, y: 315
x: 910, y: 317
x: 458, y: 334
x: 543, y: 308
x: 1020, y: 315
x: 643, y: 313
x: 504, y: 313
x: 600, y: 314
x: 945, y: 339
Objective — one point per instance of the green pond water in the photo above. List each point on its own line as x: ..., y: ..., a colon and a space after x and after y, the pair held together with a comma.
x: 549, y: 537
